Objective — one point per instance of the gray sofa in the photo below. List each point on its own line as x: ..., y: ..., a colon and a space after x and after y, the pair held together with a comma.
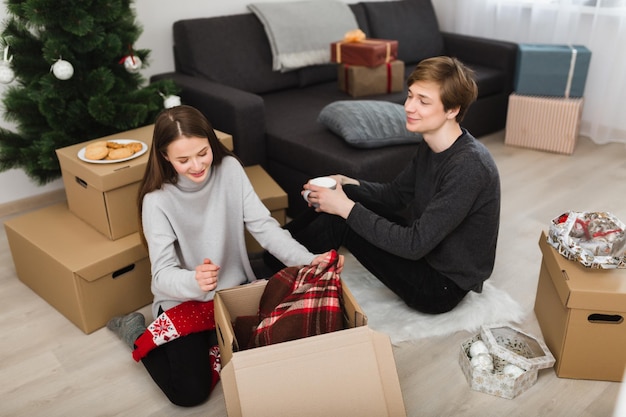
x: 223, y: 66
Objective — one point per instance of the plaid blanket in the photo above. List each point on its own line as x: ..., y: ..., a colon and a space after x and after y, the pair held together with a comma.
x: 181, y: 320
x: 298, y: 302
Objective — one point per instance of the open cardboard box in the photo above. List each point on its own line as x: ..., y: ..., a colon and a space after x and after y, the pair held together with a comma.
x: 351, y: 372
x: 84, y: 275
x: 581, y: 314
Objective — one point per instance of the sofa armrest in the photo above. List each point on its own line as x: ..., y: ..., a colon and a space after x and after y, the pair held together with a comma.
x: 485, y: 52
x: 233, y: 111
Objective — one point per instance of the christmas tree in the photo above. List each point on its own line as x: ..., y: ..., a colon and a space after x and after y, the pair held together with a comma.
x: 76, y: 78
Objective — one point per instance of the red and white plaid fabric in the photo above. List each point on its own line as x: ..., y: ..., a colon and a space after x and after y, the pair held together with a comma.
x: 300, y: 302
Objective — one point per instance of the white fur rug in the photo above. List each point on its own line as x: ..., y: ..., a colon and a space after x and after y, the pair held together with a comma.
x: 387, y: 313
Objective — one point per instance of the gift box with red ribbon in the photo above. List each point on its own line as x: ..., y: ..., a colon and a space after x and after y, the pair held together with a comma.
x: 359, y: 80
x: 355, y: 49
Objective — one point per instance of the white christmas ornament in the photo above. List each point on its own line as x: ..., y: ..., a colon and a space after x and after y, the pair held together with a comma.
x: 482, y: 361
x: 477, y: 348
x: 512, y: 370
x: 132, y: 63
x: 63, y: 70
x: 7, y: 74
x: 171, y: 101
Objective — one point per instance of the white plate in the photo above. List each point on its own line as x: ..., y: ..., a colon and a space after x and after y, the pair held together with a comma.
x: 144, y: 149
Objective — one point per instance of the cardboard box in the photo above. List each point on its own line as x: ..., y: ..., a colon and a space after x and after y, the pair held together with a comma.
x: 348, y: 372
x: 581, y: 314
x: 274, y: 198
x: 359, y: 81
x: 506, y: 345
x: 543, y: 123
x: 368, y: 52
x: 105, y: 195
x: 84, y: 275
x: 552, y: 70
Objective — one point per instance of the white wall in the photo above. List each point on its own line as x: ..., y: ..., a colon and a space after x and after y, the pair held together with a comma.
x: 156, y: 18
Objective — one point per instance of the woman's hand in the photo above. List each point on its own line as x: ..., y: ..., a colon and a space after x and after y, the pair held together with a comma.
x: 206, y: 275
x: 324, y: 257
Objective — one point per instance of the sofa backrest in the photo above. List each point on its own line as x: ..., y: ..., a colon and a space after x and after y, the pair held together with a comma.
x: 412, y: 23
x: 234, y: 49
x: 231, y: 50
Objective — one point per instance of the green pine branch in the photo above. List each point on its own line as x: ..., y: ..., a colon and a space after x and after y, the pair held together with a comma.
x: 101, y: 98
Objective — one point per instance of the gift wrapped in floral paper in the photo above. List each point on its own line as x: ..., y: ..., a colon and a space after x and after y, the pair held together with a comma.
x: 595, y: 239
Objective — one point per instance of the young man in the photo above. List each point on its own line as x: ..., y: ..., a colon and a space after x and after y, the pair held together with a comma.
x: 444, y: 245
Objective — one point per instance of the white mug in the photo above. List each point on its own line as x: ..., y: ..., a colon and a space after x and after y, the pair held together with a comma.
x: 326, y: 182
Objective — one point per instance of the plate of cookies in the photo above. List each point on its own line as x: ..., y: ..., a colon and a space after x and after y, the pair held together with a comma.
x: 112, y: 151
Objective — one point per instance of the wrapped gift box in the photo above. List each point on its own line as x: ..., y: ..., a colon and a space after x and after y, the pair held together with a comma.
x: 506, y: 345
x: 368, y: 52
x: 552, y: 70
x: 581, y: 314
x: 358, y: 80
x: 543, y: 123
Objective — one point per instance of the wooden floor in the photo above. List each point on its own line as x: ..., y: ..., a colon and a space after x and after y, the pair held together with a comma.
x: 48, y: 367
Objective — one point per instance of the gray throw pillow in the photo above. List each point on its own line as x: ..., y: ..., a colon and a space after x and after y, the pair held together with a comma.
x: 368, y: 123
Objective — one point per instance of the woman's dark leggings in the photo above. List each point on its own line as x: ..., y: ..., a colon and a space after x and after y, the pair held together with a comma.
x: 182, y: 368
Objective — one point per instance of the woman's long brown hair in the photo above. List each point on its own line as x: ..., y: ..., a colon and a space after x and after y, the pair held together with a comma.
x: 170, y: 125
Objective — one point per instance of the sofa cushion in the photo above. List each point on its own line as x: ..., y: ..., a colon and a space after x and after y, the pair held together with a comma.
x: 411, y: 22
x: 241, y: 58
x: 368, y: 123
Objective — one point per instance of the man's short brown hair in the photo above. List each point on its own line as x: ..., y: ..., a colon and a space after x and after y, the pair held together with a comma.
x: 457, y: 85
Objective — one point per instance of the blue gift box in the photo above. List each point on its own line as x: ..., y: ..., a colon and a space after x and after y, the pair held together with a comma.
x: 552, y: 70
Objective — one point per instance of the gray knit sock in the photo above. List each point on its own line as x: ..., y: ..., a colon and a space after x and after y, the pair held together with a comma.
x: 128, y: 327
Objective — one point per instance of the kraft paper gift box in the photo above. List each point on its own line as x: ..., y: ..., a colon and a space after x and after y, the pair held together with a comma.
x: 552, y: 70
x: 358, y: 80
x: 543, y: 123
x: 581, y: 314
x: 367, y: 52
x: 506, y: 345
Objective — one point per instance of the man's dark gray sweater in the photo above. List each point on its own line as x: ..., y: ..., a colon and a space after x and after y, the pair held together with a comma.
x: 454, y: 199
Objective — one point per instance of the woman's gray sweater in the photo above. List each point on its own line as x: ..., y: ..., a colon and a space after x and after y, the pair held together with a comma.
x: 188, y: 222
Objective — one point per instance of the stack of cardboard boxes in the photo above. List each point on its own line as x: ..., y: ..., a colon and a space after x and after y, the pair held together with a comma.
x: 85, y: 257
x: 544, y: 111
x: 368, y: 66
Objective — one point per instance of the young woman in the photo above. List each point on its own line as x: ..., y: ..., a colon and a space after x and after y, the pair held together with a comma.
x: 444, y: 244
x: 194, y: 202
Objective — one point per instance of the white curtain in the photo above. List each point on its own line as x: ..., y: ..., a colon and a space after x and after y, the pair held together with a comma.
x: 600, y: 25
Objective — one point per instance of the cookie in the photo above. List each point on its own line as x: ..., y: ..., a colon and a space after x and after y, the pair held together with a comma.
x: 114, y: 145
x: 120, y: 153
x: 96, y: 151
x: 135, y: 146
